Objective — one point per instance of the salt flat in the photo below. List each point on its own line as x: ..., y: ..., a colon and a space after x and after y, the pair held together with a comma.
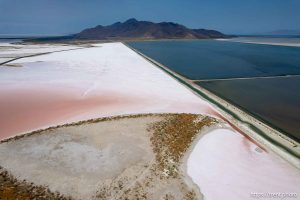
x: 11, y: 51
x: 109, y: 158
x: 230, y: 161
x: 106, y: 80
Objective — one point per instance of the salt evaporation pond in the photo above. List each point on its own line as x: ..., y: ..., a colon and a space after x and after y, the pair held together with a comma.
x: 275, y: 101
x: 212, y: 59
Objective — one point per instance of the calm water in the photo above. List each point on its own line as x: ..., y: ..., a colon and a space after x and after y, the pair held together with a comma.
x: 3, y: 40
x: 274, y: 100
x: 277, y: 40
x: 211, y: 59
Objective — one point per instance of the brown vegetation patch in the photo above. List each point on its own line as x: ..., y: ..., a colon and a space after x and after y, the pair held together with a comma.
x: 173, y: 136
x: 12, y: 189
x: 169, y: 136
x: 89, y: 121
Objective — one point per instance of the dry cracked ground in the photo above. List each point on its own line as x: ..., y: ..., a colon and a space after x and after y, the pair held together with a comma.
x: 125, y: 157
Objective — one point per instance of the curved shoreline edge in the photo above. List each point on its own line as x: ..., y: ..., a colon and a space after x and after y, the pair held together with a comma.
x: 182, y: 163
x: 265, y: 135
x: 77, y: 123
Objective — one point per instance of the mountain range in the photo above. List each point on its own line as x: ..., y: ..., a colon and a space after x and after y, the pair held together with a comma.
x: 133, y: 29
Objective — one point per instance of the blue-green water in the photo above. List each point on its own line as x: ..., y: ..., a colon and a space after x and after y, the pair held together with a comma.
x: 276, y: 101
x: 211, y: 59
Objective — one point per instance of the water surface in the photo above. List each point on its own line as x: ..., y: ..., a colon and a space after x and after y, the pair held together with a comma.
x: 212, y: 59
x: 276, y: 100
x: 5, y: 40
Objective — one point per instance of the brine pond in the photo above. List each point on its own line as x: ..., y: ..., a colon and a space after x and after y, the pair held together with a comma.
x: 270, y: 91
x: 276, y: 101
x: 212, y: 59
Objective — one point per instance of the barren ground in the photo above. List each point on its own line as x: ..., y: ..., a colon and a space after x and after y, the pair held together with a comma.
x: 127, y: 157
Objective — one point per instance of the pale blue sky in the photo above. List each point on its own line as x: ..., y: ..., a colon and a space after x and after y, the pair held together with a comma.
x: 71, y: 16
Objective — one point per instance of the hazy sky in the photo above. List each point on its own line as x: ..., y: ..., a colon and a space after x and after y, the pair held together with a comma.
x: 71, y: 16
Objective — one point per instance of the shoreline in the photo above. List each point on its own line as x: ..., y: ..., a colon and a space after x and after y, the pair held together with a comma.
x: 87, y: 121
x: 44, y: 107
x: 211, y: 162
x: 277, y: 142
x: 24, y: 174
x: 287, y: 135
x: 263, y: 43
x: 184, y: 161
x: 280, y: 165
x: 55, y: 88
x: 169, y: 108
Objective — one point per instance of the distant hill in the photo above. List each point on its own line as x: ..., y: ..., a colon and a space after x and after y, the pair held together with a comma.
x: 134, y: 29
